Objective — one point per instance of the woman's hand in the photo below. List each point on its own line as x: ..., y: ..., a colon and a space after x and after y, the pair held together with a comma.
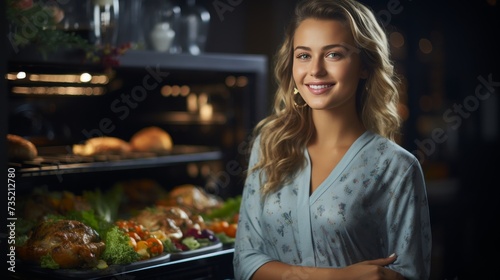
x: 371, y: 270
x: 366, y: 270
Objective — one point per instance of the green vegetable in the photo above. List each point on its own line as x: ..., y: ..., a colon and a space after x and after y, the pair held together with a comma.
x: 118, y: 250
x: 224, y: 239
x: 89, y: 218
x: 48, y: 262
x: 24, y: 226
x: 102, y: 264
x: 105, y: 204
x: 169, y: 246
x: 204, y: 242
x: 230, y: 207
x: 191, y: 243
x: 21, y: 239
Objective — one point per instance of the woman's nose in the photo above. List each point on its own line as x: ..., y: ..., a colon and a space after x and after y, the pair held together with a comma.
x: 317, y: 68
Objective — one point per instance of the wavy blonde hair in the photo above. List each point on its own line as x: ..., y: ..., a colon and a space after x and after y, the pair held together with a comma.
x: 285, y: 133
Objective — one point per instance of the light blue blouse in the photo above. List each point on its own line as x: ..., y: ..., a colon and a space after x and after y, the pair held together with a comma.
x: 373, y: 204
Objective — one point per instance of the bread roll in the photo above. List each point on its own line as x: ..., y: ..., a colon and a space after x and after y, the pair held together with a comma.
x: 19, y: 149
x: 101, y: 145
x: 151, y: 139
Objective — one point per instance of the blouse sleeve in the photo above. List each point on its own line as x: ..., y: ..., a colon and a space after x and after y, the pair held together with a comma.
x: 248, y: 250
x: 408, y: 225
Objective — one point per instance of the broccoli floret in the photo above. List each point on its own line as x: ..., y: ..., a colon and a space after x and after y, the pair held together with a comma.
x: 48, y: 262
x: 169, y: 246
x: 118, y: 250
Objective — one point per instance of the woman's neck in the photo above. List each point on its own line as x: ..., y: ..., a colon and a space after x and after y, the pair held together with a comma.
x: 335, y: 129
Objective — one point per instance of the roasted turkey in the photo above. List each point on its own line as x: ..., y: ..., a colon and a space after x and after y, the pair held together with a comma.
x: 71, y: 244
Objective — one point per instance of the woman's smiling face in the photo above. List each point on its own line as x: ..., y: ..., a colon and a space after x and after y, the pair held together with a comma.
x: 326, y: 65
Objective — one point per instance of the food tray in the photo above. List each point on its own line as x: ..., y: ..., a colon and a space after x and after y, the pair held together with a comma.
x: 228, y: 245
x: 191, y: 253
x: 94, y: 272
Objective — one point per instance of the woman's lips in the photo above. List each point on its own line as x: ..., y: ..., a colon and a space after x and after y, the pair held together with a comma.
x: 319, y: 88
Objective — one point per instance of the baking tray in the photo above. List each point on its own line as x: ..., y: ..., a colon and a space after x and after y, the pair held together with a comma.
x: 54, y: 161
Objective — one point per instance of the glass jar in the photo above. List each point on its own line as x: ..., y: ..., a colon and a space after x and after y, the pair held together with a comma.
x: 130, y: 24
x: 76, y: 18
x: 105, y: 21
x: 161, y: 25
x: 195, y: 23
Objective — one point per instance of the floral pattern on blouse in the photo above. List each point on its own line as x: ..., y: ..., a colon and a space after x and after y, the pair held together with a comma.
x: 373, y: 204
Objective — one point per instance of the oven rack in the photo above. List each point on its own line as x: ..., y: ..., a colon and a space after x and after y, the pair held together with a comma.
x: 58, y: 161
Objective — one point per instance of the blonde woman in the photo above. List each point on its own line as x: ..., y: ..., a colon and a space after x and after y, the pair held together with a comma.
x: 329, y: 194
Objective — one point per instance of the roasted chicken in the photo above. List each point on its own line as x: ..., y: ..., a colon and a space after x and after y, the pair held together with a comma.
x: 71, y: 244
x: 172, y: 220
x: 192, y: 198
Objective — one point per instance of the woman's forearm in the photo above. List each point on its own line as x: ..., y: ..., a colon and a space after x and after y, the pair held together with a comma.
x: 277, y: 270
x: 371, y: 269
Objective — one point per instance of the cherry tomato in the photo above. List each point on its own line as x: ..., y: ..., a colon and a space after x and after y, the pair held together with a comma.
x: 138, y: 228
x: 122, y: 224
x: 155, y: 246
x: 214, y: 226
x: 219, y: 226
x: 144, y: 234
x: 134, y: 235
x: 231, y: 230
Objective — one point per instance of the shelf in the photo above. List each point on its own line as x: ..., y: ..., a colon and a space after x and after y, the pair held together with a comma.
x: 204, y: 62
x: 54, y: 161
x: 143, y: 58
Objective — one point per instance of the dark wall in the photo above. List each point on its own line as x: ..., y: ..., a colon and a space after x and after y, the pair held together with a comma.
x: 3, y: 131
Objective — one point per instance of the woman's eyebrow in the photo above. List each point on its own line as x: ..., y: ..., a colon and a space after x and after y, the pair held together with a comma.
x: 327, y: 47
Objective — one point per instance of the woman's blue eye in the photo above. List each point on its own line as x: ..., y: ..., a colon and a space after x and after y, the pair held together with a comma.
x: 303, y: 56
x: 334, y: 55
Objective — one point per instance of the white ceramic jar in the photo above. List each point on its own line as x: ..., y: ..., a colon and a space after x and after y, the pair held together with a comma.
x: 162, y: 36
